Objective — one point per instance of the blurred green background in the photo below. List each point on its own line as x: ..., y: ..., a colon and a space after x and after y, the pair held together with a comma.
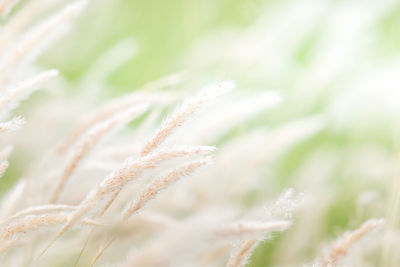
x: 162, y: 30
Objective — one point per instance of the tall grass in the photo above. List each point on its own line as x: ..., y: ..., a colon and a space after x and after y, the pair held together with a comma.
x: 136, y: 182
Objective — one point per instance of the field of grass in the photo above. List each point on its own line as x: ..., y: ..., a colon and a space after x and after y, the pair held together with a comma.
x: 200, y: 133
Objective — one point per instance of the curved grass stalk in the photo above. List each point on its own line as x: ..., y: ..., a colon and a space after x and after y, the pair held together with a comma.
x: 131, y: 169
x: 87, y: 143
x: 180, y: 115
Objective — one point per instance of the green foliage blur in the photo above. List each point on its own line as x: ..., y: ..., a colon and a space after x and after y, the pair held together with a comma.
x: 163, y: 31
